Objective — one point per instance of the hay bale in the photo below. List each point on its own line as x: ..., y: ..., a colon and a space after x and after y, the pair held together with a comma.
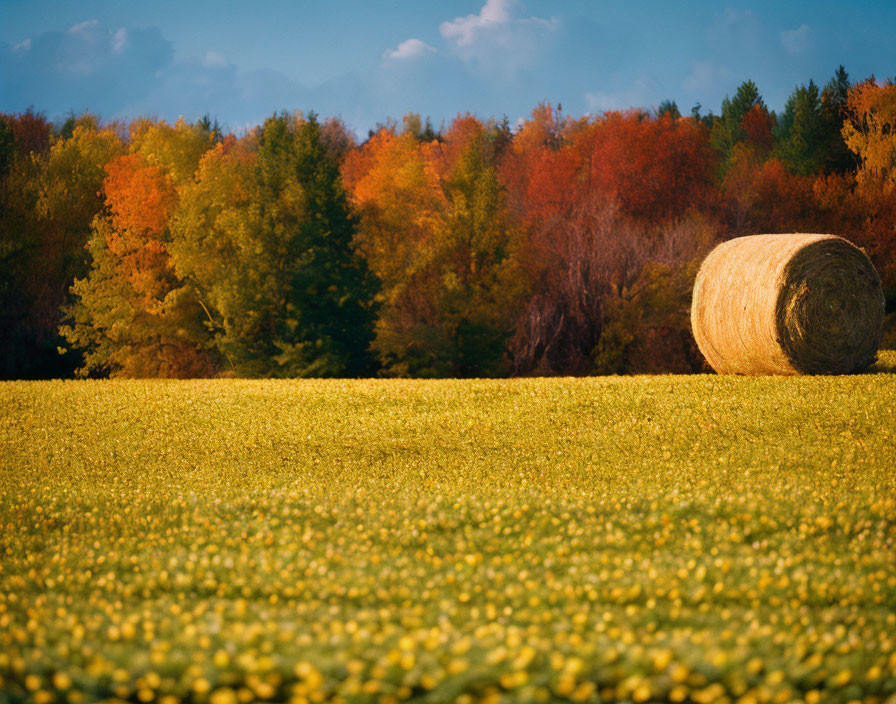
x: 788, y: 304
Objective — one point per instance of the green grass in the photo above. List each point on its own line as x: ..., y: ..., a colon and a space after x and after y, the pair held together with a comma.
x: 692, y: 538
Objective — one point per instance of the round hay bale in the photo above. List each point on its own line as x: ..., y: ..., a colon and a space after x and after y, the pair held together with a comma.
x: 788, y: 304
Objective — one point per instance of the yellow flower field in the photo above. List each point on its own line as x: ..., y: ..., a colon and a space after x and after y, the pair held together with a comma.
x: 683, y: 539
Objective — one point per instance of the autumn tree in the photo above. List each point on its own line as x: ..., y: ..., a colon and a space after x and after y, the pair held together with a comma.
x: 744, y: 163
x: 870, y: 133
x: 176, y: 148
x: 47, y: 220
x: 655, y: 169
x: 596, y: 211
x: 400, y: 205
x: 769, y: 197
x: 133, y: 315
x: 337, y: 139
x: 436, y: 231
x: 758, y: 130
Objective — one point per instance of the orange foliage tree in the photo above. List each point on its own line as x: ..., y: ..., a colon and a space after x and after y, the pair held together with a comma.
x: 133, y: 316
x: 870, y: 133
x: 436, y: 232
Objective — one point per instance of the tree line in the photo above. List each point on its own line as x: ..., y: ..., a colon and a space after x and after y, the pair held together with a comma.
x: 560, y: 246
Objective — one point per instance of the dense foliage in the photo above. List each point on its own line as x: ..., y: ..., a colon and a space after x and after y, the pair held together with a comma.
x: 564, y: 246
x: 683, y: 539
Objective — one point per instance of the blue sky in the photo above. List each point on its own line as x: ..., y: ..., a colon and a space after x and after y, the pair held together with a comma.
x: 366, y: 61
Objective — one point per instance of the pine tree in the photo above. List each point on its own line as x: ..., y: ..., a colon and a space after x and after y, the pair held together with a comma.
x: 834, y: 100
x: 670, y: 108
x: 727, y: 129
x: 330, y: 285
x: 800, y: 133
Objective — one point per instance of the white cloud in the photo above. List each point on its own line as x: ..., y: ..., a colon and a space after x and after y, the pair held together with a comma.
x: 83, y: 27
x: 796, y: 41
x: 119, y: 39
x: 215, y: 59
x: 409, y: 49
x: 89, y: 65
x: 464, y: 30
x: 23, y: 45
x: 496, y: 42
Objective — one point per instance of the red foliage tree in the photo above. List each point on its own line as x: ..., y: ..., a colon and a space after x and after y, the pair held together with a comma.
x: 757, y: 126
x: 599, y: 201
x: 655, y: 169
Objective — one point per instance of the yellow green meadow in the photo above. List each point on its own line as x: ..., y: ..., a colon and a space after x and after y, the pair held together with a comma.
x: 683, y: 539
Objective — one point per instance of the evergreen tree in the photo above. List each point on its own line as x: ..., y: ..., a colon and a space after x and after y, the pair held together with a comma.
x: 834, y: 100
x: 727, y: 129
x: 23, y: 341
x: 212, y: 127
x: 429, y: 133
x: 670, y: 108
x: 808, y: 137
x: 800, y: 133
x: 330, y: 285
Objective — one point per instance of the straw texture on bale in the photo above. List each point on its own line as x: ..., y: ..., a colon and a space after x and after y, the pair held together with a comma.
x: 788, y: 304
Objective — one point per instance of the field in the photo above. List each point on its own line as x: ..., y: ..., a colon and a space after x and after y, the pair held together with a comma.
x: 701, y: 538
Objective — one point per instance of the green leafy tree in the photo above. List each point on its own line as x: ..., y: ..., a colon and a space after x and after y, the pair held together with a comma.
x: 266, y: 236
x: 476, y: 250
